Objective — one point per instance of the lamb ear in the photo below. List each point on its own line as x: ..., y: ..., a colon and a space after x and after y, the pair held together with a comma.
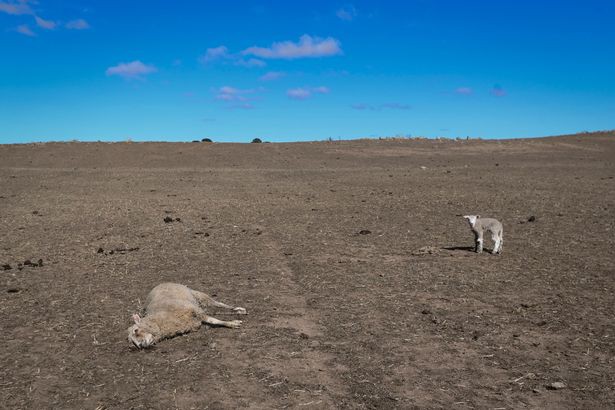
x: 136, y: 318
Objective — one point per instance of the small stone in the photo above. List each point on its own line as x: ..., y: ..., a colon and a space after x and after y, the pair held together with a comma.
x: 27, y: 262
x: 426, y: 312
x: 100, y: 250
x: 178, y: 219
x: 304, y: 335
x: 531, y: 219
x: 40, y: 262
x: 13, y: 290
x: 364, y: 232
x: 6, y: 266
x: 168, y: 219
x: 556, y: 386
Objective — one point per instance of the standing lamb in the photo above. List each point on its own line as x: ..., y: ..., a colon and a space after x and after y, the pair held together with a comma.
x: 480, y: 225
x: 173, y: 309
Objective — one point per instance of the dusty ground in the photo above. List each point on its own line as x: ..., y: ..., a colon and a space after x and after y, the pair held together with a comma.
x: 402, y: 316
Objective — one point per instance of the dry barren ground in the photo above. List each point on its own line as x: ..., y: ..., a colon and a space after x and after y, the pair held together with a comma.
x: 400, y: 315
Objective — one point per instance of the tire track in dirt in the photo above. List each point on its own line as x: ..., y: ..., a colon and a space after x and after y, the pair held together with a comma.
x: 294, y: 371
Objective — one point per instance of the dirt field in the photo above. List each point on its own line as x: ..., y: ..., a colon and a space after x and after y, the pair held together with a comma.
x: 400, y: 315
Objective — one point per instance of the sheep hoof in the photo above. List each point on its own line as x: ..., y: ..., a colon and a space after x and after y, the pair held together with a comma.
x: 240, y: 311
x: 234, y: 324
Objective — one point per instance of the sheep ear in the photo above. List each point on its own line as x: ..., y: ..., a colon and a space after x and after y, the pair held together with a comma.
x: 466, y: 217
x: 136, y: 318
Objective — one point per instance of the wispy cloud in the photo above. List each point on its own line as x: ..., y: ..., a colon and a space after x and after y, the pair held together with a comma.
x: 395, y: 106
x: 363, y: 106
x: 298, y: 93
x: 134, y: 70
x: 23, y: 7
x: 303, y: 93
x: 307, y: 47
x: 250, y: 62
x: 46, y: 24
x: 16, y: 8
x: 272, y: 76
x: 385, y: 106
x: 222, y: 54
x: 498, y: 91
x: 464, y: 91
x: 25, y: 30
x: 321, y: 90
x: 214, y: 54
x: 227, y: 93
x: 79, y: 24
x: 347, y: 13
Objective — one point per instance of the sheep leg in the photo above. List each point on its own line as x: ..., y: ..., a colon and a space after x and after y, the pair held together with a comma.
x: 206, y: 300
x: 234, y: 324
x: 500, y: 242
x: 479, y: 242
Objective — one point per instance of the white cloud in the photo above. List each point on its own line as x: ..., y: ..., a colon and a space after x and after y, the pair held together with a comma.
x: 303, y: 93
x: 25, y: 30
x: 307, y: 47
x: 79, y: 24
x: 16, y: 8
x: 251, y: 62
x: 272, y: 76
x: 214, y: 54
x: 347, y: 13
x: 363, y: 106
x: 46, y: 24
x: 21, y: 7
x: 299, y: 93
x: 221, y: 53
x: 232, y: 94
x: 133, y: 70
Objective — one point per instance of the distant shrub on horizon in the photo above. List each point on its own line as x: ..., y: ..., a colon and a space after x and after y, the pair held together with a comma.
x: 256, y: 141
x: 206, y: 140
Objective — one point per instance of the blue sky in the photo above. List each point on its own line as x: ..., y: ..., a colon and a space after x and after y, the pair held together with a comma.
x: 287, y: 71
